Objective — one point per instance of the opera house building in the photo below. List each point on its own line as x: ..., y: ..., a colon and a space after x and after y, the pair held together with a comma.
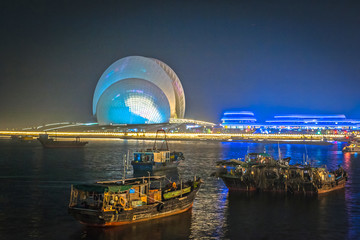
x: 138, y: 90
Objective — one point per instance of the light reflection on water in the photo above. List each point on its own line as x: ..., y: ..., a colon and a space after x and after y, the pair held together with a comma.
x: 35, y: 187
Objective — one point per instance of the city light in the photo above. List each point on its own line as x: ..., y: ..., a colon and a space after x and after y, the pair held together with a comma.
x: 150, y: 135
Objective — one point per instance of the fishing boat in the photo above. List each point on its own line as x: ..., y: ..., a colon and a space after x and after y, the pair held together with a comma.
x: 17, y: 138
x: 261, y: 172
x: 119, y: 202
x: 47, y: 142
x: 157, y: 158
x: 354, y: 146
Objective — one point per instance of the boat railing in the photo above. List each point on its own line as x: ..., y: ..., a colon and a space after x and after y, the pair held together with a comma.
x: 133, y: 179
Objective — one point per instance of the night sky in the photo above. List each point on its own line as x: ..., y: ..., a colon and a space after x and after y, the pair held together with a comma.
x: 269, y: 57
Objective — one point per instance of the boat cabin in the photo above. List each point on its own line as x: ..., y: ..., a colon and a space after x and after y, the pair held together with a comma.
x: 114, y: 196
x: 258, y: 158
x: 150, y: 155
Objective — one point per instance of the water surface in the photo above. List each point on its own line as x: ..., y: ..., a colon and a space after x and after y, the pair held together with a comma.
x: 35, y: 189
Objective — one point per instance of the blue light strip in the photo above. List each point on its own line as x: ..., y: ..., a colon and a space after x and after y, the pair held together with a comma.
x: 341, y: 116
x: 313, y: 121
x: 239, y: 113
x: 240, y: 119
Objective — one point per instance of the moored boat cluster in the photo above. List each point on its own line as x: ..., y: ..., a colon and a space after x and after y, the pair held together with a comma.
x: 353, y: 146
x: 261, y: 172
x: 124, y: 201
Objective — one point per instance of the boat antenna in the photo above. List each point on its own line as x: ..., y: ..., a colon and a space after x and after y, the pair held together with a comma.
x: 181, y: 187
x: 124, y: 167
x: 128, y: 160
x: 279, y: 152
x: 164, y: 141
x: 307, y: 156
x: 304, y: 161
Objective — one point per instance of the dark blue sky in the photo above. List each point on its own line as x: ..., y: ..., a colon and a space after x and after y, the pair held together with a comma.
x: 269, y: 57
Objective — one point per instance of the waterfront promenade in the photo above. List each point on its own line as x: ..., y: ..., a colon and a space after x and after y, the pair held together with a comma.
x: 186, y: 136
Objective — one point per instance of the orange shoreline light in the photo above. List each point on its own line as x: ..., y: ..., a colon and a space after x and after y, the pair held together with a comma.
x: 178, y: 136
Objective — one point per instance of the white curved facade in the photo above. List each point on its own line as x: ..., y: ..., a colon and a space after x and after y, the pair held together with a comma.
x: 179, y: 91
x: 148, y: 83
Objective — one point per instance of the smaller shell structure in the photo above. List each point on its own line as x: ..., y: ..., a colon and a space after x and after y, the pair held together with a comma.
x: 138, y: 90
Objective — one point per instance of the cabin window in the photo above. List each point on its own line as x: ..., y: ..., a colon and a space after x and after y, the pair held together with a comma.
x: 84, y: 199
x: 137, y: 157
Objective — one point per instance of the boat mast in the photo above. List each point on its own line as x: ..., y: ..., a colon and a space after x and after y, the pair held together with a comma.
x: 164, y: 141
x: 128, y: 160
x: 124, y: 167
x: 279, y: 152
x: 148, y: 189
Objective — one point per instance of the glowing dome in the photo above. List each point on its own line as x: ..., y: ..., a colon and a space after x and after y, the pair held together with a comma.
x: 138, y: 90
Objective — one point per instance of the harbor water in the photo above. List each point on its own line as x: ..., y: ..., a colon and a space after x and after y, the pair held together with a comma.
x: 35, y: 190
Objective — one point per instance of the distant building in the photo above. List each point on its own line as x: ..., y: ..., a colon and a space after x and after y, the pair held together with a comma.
x: 246, y: 120
x: 138, y: 90
x: 313, y: 122
x: 240, y: 120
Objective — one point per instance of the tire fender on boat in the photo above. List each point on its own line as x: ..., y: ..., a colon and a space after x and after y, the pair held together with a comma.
x: 160, y: 207
x: 122, y: 201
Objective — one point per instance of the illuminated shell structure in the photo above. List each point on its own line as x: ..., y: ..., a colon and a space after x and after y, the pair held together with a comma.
x: 138, y: 90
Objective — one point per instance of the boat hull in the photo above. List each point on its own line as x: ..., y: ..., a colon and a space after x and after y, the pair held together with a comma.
x: 340, y: 185
x: 352, y: 150
x: 138, y: 214
x: 237, y: 184
x: 62, y: 144
x: 151, y: 166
